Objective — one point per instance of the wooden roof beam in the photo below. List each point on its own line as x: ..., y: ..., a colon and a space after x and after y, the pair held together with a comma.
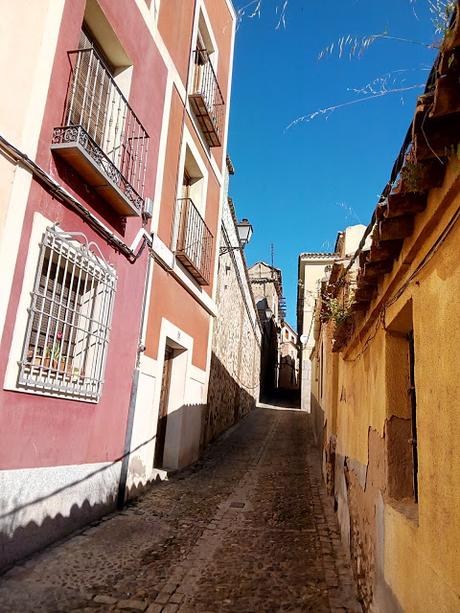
x: 373, y: 270
x: 405, y: 204
x: 365, y: 294
x: 385, y: 250
x: 396, y: 228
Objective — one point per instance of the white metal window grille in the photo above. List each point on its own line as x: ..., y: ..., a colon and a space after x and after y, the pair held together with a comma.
x: 69, y: 319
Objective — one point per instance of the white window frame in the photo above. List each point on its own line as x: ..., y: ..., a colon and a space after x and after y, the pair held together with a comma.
x: 45, y: 311
x: 203, y: 28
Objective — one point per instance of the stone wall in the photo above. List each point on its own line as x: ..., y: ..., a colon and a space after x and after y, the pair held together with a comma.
x: 235, y: 360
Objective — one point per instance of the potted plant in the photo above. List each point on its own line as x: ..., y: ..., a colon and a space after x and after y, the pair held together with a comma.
x: 53, y: 358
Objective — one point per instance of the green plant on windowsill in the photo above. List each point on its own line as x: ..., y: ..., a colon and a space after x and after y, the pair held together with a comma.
x: 53, y: 351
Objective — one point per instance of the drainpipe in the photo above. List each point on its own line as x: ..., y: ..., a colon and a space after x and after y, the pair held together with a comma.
x: 122, y: 486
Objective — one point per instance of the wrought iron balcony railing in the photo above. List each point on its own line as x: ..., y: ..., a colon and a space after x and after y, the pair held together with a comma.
x: 101, y: 135
x: 206, y: 99
x: 194, y: 242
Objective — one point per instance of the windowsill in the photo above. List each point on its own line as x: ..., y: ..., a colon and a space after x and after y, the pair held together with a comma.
x: 50, y: 394
x: 407, y: 507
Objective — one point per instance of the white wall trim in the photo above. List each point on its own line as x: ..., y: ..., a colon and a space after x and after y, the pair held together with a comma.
x: 162, y: 154
x: 168, y: 260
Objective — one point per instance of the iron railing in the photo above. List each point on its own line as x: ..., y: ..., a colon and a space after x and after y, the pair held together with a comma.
x: 194, y: 242
x: 99, y: 119
x: 207, y: 100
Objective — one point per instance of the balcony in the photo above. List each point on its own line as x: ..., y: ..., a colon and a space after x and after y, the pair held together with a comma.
x: 101, y: 137
x: 194, y: 242
x: 206, y: 99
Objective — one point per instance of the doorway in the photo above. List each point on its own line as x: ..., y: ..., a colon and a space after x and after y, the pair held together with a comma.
x: 163, y: 408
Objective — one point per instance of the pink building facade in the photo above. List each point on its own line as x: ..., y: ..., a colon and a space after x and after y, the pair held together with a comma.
x: 80, y: 137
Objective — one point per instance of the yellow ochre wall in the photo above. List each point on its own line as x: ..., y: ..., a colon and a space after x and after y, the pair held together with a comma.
x: 415, y: 553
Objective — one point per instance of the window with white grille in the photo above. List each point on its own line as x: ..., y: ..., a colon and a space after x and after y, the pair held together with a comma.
x: 69, y: 319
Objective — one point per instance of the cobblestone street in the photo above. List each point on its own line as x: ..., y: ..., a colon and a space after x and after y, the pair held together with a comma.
x: 248, y: 528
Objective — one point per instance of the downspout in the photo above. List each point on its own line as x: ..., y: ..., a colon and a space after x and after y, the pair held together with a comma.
x: 121, y: 495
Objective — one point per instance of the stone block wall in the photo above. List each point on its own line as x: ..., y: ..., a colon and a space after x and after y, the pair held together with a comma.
x: 234, y: 379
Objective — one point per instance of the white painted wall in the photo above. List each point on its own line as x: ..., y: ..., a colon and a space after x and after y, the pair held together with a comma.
x: 27, y: 73
x: 40, y: 505
x: 312, y: 270
x: 186, y: 401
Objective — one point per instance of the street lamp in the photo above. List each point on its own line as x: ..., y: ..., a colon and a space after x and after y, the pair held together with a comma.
x: 245, y: 231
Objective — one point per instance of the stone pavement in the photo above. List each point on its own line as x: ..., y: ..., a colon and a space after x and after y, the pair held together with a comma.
x: 248, y: 528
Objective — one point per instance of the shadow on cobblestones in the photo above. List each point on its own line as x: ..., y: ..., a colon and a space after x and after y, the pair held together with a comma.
x: 244, y: 529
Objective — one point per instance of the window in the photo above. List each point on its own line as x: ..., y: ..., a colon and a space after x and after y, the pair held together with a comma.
x: 69, y: 319
x: 192, y: 239
x: 205, y: 95
x: 401, y: 423
x: 100, y: 135
x: 204, y: 54
x: 90, y: 93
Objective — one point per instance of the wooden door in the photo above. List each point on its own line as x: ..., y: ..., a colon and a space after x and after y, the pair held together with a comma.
x: 163, y: 408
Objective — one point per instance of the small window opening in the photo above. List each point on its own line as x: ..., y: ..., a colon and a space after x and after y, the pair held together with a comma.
x: 401, y: 423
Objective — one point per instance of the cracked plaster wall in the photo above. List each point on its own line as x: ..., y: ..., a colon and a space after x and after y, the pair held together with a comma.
x: 405, y: 555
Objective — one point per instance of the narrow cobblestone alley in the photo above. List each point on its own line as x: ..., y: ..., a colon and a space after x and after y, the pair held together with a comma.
x: 248, y: 528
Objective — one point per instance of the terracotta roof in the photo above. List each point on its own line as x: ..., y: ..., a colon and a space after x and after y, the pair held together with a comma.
x: 319, y: 255
x: 419, y: 168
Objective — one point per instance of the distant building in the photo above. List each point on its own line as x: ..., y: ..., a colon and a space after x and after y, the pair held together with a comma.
x: 288, y: 378
x: 312, y: 268
x: 266, y: 284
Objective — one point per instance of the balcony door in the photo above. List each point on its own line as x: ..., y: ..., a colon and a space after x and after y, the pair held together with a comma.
x: 89, y: 99
x: 193, y: 231
x: 201, y: 59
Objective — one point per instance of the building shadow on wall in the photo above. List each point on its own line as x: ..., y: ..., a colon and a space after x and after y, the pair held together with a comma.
x: 288, y: 375
x: 229, y: 399
x: 317, y: 421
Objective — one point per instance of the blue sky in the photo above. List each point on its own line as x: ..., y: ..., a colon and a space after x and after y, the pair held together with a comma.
x: 300, y: 186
